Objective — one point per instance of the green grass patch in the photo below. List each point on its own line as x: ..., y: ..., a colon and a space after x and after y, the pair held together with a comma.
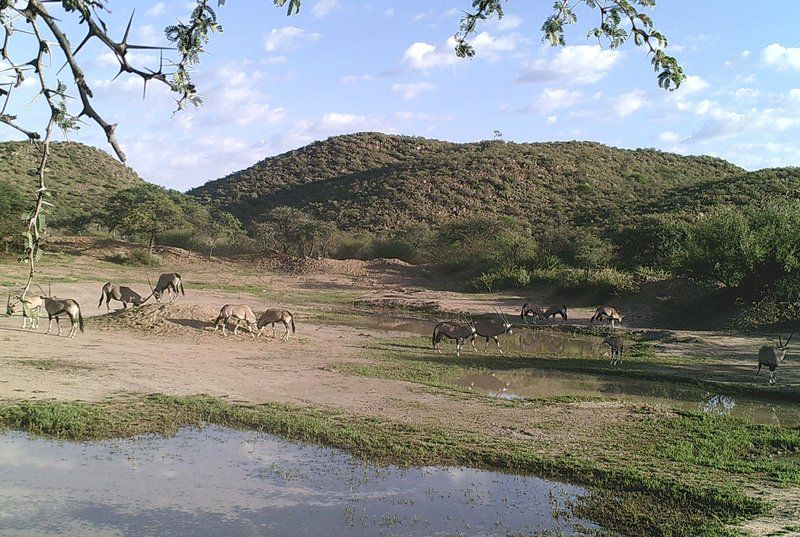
x: 627, y: 497
x: 54, y: 364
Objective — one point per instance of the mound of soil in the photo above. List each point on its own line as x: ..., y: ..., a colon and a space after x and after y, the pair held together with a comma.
x: 173, y: 318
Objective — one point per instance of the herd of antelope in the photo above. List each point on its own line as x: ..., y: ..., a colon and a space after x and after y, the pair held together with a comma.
x: 32, y: 307
x: 469, y: 330
x: 171, y: 284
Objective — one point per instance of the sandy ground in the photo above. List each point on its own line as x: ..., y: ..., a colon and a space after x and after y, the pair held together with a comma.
x: 181, y: 355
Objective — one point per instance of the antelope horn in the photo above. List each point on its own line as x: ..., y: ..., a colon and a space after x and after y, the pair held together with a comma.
x: 40, y: 289
x: 780, y: 343
x: 788, y: 340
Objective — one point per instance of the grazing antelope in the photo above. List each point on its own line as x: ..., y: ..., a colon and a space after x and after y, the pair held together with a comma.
x: 276, y: 316
x: 31, y: 309
x: 239, y: 312
x: 56, y: 307
x: 490, y: 330
x: 606, y: 312
x: 168, y: 282
x: 458, y: 331
x: 617, y: 345
x: 126, y: 295
x: 772, y: 356
x: 529, y: 310
x: 552, y: 311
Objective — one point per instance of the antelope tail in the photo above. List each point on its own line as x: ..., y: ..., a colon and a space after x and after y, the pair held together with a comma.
x: 291, y: 320
x: 102, y: 296
x: 435, y: 333
x: 181, y: 283
x: 80, y: 319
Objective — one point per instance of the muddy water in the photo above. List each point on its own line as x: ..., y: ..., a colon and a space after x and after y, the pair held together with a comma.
x: 546, y: 383
x: 219, y: 481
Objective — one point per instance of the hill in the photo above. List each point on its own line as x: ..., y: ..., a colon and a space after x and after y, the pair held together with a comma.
x: 376, y: 181
x: 80, y: 177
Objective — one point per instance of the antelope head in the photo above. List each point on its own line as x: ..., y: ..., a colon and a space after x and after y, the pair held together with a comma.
x: 780, y: 350
x: 507, y: 326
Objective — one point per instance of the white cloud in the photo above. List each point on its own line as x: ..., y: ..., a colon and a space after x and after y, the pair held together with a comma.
x: 413, y: 90
x: 691, y: 84
x: 421, y: 55
x: 288, y: 38
x: 324, y: 8
x: 776, y: 55
x: 669, y: 137
x: 553, y: 99
x: 388, y: 12
x: 552, y: 120
x: 488, y: 44
x: 353, y: 79
x: 580, y: 64
x: 156, y: 10
x: 509, y: 22
x: 628, y: 103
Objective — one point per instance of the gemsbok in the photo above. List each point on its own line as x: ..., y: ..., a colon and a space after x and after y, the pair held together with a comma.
x: 490, y: 329
x: 617, y: 345
x: 240, y: 313
x: 126, y: 295
x: 606, y: 313
x: 772, y: 356
x: 56, y: 307
x: 457, y: 331
x: 531, y: 310
x: 31, y: 307
x: 273, y: 316
x: 170, y: 283
x: 552, y: 311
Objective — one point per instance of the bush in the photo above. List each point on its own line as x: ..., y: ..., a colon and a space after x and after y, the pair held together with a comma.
x: 506, y: 277
x: 135, y: 258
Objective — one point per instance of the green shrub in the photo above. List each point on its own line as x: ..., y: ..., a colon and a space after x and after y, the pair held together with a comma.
x: 506, y: 277
x: 135, y: 258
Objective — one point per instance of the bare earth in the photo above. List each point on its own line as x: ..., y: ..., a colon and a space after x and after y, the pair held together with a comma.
x: 176, y: 352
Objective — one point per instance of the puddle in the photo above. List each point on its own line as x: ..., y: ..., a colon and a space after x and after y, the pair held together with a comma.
x: 219, y: 481
x: 545, y: 383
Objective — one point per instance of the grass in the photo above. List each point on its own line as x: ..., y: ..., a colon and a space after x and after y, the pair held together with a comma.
x: 628, y: 495
x: 53, y: 364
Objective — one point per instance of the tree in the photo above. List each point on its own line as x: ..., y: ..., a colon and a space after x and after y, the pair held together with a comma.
x: 52, y: 46
x: 222, y: 226
x: 144, y: 209
x: 12, y: 207
x: 293, y: 231
x: 592, y: 252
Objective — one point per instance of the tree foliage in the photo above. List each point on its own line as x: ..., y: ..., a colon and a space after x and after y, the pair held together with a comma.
x: 146, y: 210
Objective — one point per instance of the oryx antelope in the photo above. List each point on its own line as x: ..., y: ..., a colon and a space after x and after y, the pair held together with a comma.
x: 56, y: 307
x: 170, y: 283
x: 458, y: 331
x: 617, y: 345
x: 552, y: 311
x: 240, y: 313
x: 530, y: 310
x: 126, y: 295
x: 606, y: 313
x: 31, y: 307
x: 276, y: 316
x: 772, y: 356
x: 490, y: 330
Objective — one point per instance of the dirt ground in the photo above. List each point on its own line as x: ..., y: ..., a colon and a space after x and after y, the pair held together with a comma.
x: 172, y: 349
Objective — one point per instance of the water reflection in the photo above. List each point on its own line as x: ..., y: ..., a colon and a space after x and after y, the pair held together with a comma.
x: 535, y: 383
x: 224, y: 482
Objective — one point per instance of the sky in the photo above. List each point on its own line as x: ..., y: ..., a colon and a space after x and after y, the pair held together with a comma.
x: 272, y: 83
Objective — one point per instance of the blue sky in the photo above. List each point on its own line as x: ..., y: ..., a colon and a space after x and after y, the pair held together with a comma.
x: 274, y: 83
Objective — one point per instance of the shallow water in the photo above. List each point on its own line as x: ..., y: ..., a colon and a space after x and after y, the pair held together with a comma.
x: 547, y: 383
x: 220, y: 481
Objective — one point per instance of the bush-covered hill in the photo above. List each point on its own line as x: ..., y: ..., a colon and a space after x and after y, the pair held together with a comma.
x: 377, y: 182
x: 80, y: 177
